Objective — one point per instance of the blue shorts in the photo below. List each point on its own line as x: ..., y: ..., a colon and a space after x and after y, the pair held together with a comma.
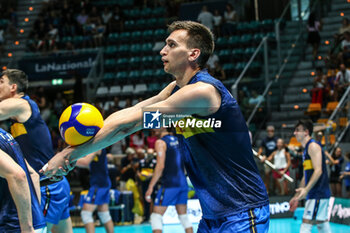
x: 97, y: 196
x: 55, y: 201
x: 255, y: 220
x: 171, y: 196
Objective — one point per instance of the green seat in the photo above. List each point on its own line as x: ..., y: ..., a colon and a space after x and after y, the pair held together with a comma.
x: 147, y: 34
x: 113, y: 37
x: 135, y: 74
x: 233, y: 41
x: 154, y: 87
x: 160, y: 34
x: 258, y: 37
x: 242, y: 27
x: 121, y: 75
x: 134, y: 13
x: 110, y: 49
x: 159, y: 73
x: 109, y: 63
x: 147, y: 47
x: 146, y: 12
x: 246, y: 39
x: 121, y: 62
x: 158, y: 11
x: 254, y: 25
x: 125, y: 36
x: 108, y: 76
x: 140, y: 24
x: 135, y: 61
x: 225, y: 55
x: 124, y: 48
x: 221, y: 42
x: 228, y: 67
x: 135, y: 48
x: 136, y: 35
x: 237, y: 53
x: 248, y: 52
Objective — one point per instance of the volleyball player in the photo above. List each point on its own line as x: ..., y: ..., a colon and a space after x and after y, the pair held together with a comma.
x: 219, y: 161
x: 314, y: 186
x: 174, y: 188
x: 33, y: 136
x: 98, y: 195
x: 19, y: 184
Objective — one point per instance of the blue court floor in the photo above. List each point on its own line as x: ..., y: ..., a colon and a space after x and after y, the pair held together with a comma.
x: 287, y: 225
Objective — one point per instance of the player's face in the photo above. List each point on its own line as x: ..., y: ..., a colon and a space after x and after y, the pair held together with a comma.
x: 175, y: 53
x: 300, y: 133
x: 5, y: 87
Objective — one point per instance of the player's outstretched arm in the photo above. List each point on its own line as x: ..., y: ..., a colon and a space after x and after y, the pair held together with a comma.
x: 199, y: 98
x: 19, y: 189
x: 36, y: 180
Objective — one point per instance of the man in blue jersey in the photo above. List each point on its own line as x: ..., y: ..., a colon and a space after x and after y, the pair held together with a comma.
x: 314, y: 185
x: 219, y: 160
x: 19, y: 196
x: 174, y: 185
x: 33, y: 136
x: 98, y: 195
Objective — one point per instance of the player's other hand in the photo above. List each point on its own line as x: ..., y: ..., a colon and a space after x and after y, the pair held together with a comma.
x: 301, y: 193
x: 58, y: 165
x: 293, y: 204
x: 148, y: 194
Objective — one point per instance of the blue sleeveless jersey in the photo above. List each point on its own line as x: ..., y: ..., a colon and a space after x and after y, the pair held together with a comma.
x: 8, y: 213
x: 321, y: 188
x: 99, y: 172
x: 34, y: 138
x: 219, y: 161
x: 173, y: 173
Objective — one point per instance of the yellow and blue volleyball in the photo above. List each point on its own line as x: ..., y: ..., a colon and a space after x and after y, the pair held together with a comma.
x: 79, y: 123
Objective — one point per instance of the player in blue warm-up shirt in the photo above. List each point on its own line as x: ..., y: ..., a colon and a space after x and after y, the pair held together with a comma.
x: 174, y: 188
x: 33, y: 136
x: 19, y: 204
x: 98, y: 195
x: 314, y: 186
x: 216, y: 146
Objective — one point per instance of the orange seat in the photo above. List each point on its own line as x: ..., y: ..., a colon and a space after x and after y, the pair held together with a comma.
x: 343, y: 121
x: 322, y: 121
x: 331, y: 106
x: 314, y: 107
x: 332, y: 139
x: 293, y: 142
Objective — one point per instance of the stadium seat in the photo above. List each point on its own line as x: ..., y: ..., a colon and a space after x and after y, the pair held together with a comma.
x: 135, y: 48
x: 113, y: 37
x: 146, y: 12
x: 135, y: 61
x: 154, y: 87
x: 224, y: 55
x: 314, y: 108
x: 128, y: 89
x: 147, y: 34
x: 108, y: 76
x: 343, y: 121
x: 140, y: 88
x: 102, y: 91
x: 135, y: 74
x: 121, y: 75
x: 136, y: 35
x: 233, y: 41
x: 331, y: 106
x: 221, y: 42
x: 114, y: 90
x: 160, y: 34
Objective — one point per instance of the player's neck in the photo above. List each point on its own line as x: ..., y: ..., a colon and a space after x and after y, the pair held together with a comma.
x: 305, y: 140
x: 18, y: 95
x: 185, y: 77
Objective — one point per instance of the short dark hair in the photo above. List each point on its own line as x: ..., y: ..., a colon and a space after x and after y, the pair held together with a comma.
x: 17, y: 77
x: 306, y: 124
x: 199, y: 37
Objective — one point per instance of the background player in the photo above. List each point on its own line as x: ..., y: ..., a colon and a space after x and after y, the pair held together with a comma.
x: 19, y: 184
x: 33, y: 136
x: 314, y: 185
x: 219, y: 161
x: 174, y: 185
x: 98, y: 195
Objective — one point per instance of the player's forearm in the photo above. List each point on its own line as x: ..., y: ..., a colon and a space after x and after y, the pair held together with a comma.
x: 36, y: 180
x: 19, y: 188
x: 156, y: 176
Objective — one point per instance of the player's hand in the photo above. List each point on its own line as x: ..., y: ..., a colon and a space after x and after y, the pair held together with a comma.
x: 57, y: 165
x: 263, y: 158
x: 293, y: 204
x: 148, y: 195
x: 282, y: 173
x: 301, y: 193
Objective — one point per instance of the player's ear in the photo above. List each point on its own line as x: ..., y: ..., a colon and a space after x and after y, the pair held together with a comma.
x: 194, y: 54
x: 13, y: 87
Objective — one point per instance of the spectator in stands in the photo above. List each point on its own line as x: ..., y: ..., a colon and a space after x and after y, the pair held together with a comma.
x: 269, y: 144
x: 344, y: 55
x: 118, y: 148
x: 319, y: 87
x: 113, y: 171
x: 59, y: 103
x: 342, y: 81
x: 335, y: 167
x: 116, y: 23
x: 128, y: 166
x: 151, y: 139
x: 331, y: 77
x: 281, y: 160
x: 218, y: 72
x: 313, y: 38
x: 346, y: 175
x: 211, y: 61
x: 145, y: 172
x: 230, y: 20
x: 255, y: 99
x: 106, y: 15
x: 82, y: 18
x: 345, y: 27
x: 243, y: 103
x: 206, y: 18
x: 137, y: 140
x: 217, y: 23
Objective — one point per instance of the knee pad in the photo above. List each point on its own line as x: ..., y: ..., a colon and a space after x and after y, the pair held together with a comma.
x: 86, y: 216
x: 185, y: 221
x: 305, y: 228
x: 156, y: 221
x: 324, y: 227
x: 104, y: 216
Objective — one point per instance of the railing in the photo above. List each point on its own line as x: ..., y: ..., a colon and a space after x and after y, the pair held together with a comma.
x: 94, y: 77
